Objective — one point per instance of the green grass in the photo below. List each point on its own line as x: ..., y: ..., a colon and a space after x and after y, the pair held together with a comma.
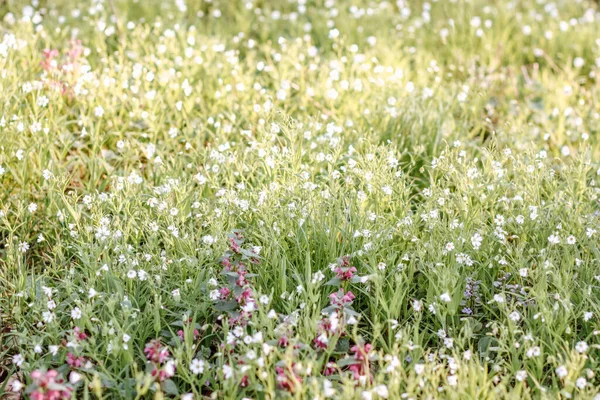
x: 442, y: 165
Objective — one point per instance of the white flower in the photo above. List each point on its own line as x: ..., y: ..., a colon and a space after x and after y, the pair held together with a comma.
x: 76, y: 313
x: 554, y: 239
x: 514, y: 316
x: 249, y: 307
x: 432, y: 309
x: 535, y: 351
x: 227, y: 371
x: 208, y: 240
x: 498, y: 298
x: 581, y: 347
x: 521, y: 375
x: 169, y: 368
x: 523, y: 272
x: 317, y: 277
x: 16, y: 386
x: 419, y: 369
x: 328, y: 390
x: 452, y: 380
x: 417, y: 305
x: 578, y: 62
x: 561, y: 371
x: 589, y: 232
x: 581, y: 383
x: 23, y: 247
x: 476, y: 240
x: 445, y: 297
x: 18, y: 360
x: 99, y: 111
x: 197, y: 366
x: 382, y: 391
x: 74, y: 377
x: 48, y: 317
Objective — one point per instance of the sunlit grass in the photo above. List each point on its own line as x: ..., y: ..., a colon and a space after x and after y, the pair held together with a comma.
x: 304, y: 199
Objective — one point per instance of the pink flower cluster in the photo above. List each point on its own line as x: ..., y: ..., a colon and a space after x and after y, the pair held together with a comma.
x: 60, y: 69
x: 336, y: 316
x: 236, y: 295
x: 360, y: 369
x: 49, y: 385
x: 333, y: 322
x: 162, y: 366
x: 181, y: 333
x: 287, y: 378
x: 345, y: 271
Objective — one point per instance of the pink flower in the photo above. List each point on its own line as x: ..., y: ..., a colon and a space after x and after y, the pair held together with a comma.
x: 156, y: 352
x: 361, y: 352
x: 287, y: 381
x: 49, y: 56
x: 345, y: 274
x: 49, y: 386
x: 340, y: 298
x: 74, y: 361
x: 224, y: 292
x: 283, y: 341
x: 226, y: 263
x: 330, y: 369
x: 181, y: 334
x: 234, y: 246
x: 80, y: 334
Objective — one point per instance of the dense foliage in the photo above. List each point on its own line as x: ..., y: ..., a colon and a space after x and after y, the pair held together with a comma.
x: 299, y: 199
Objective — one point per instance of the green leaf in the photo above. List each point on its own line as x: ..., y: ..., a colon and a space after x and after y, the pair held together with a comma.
x: 227, y: 306
x: 169, y: 387
x: 334, y: 282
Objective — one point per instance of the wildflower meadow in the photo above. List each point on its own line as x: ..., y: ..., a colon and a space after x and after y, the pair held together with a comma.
x: 303, y: 199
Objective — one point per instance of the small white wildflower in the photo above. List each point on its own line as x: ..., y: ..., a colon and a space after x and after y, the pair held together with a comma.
x: 18, y: 359
x: 76, y: 313
x: 197, y: 366
x: 561, y: 371
x: 581, y: 347
x: 445, y: 297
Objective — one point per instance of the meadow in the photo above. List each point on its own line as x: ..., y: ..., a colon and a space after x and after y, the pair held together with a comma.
x: 305, y: 199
